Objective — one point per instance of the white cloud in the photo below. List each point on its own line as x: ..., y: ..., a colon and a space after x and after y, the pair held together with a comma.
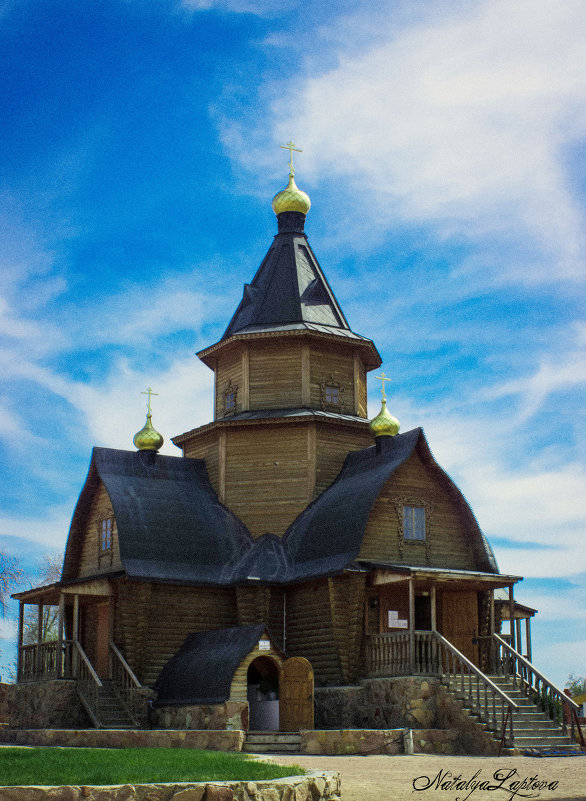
x: 48, y: 530
x: 463, y: 120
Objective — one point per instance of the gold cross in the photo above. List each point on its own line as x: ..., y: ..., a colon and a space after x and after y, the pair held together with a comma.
x: 382, y: 377
x: 149, y: 392
x: 291, y: 147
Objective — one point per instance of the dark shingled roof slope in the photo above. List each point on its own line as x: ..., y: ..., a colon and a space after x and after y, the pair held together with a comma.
x: 201, y: 672
x: 289, y: 286
x: 171, y: 525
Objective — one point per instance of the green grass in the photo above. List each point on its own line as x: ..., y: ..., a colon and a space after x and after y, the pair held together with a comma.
x: 56, y: 766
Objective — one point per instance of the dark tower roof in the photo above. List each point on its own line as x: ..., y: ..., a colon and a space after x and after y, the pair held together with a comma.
x: 289, y: 288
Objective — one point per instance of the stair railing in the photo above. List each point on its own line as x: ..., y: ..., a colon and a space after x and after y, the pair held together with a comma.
x: 88, y: 683
x: 124, y: 682
x: 486, y: 700
x: 544, y: 693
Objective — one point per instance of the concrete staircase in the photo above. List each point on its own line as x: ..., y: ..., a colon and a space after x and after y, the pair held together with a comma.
x: 533, y: 729
x: 272, y: 742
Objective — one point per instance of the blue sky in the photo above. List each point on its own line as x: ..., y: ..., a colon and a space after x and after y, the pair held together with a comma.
x: 444, y: 150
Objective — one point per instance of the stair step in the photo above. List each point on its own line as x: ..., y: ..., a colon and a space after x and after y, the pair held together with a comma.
x: 273, y: 742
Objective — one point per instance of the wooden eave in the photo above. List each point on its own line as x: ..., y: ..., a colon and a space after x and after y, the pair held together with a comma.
x: 382, y: 575
x: 50, y: 593
x: 372, y: 359
x: 306, y: 417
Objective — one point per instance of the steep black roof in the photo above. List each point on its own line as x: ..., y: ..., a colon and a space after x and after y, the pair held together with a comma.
x: 201, y: 672
x: 172, y: 526
x: 289, y: 288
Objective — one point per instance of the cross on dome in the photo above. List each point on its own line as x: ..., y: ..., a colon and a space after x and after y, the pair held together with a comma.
x: 149, y: 392
x: 382, y: 377
x: 291, y: 147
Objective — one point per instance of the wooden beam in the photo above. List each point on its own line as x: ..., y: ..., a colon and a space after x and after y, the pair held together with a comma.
x: 528, y: 636
x: 245, y: 403
x: 433, y: 607
x: 512, y: 617
x: 222, y: 467
x: 518, y: 634
x: 305, y: 376
x: 19, y: 666
x: 412, y: 625
x: 356, y: 383
x: 61, y: 622
x: 75, y: 633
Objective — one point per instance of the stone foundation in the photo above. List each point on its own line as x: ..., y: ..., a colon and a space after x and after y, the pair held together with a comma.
x: 36, y: 705
x: 316, y: 786
x: 411, y: 702
x: 126, y: 738
x: 229, y: 715
x: 362, y: 742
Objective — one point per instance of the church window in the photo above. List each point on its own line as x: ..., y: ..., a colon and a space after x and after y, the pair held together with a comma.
x: 332, y: 394
x: 230, y: 399
x: 106, y: 534
x: 414, y: 523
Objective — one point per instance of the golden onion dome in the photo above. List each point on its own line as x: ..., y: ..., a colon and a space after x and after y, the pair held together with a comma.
x: 384, y: 424
x: 148, y: 438
x: 291, y: 199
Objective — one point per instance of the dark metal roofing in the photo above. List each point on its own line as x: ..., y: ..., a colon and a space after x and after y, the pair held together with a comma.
x: 201, y: 672
x: 172, y: 526
x: 289, y: 287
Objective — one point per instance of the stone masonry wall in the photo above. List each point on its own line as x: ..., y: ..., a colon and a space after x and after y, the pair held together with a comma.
x: 316, y: 786
x: 42, y: 704
x: 229, y: 715
x: 410, y: 702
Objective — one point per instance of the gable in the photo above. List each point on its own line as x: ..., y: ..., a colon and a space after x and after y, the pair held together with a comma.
x: 449, y: 538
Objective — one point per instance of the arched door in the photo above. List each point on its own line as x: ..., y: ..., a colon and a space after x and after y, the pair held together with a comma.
x: 296, y: 695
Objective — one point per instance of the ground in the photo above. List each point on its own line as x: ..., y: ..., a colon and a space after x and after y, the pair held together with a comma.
x: 390, y: 778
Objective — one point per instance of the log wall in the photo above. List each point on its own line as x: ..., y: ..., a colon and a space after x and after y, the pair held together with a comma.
x: 449, y: 544
x: 336, y: 363
x: 153, y: 620
x: 275, y: 374
x: 228, y: 370
x: 205, y: 446
x: 333, y: 444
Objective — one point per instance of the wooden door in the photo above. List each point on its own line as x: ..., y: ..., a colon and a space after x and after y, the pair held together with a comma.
x: 296, y: 695
x: 460, y: 621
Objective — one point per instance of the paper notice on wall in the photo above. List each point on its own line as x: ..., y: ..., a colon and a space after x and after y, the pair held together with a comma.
x: 264, y: 645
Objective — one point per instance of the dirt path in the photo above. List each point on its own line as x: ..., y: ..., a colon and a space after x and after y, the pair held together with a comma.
x: 391, y: 778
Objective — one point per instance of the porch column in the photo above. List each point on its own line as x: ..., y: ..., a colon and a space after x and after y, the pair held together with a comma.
x: 433, y: 608
x: 528, y: 636
x: 59, y: 659
x: 512, y: 617
x: 518, y: 635
x: 20, y: 663
x: 75, y: 634
x: 412, y: 625
x: 38, y: 660
x: 491, y: 649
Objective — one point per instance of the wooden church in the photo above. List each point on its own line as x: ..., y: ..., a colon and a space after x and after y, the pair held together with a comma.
x: 292, y: 543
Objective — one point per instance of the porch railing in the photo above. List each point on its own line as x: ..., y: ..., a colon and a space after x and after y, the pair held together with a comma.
x: 550, y: 699
x: 428, y: 653
x: 43, y: 661
x: 88, y: 683
x: 124, y: 682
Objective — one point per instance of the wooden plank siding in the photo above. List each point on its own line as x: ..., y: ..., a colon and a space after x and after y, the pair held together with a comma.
x: 332, y: 446
x: 152, y: 621
x: 331, y: 362
x: 275, y: 374
x: 205, y: 446
x: 229, y: 370
x: 92, y: 560
x: 448, y: 545
x: 266, y: 475
x: 309, y: 630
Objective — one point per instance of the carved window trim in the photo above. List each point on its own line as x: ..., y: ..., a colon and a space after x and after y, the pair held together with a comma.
x: 106, y: 528
x: 413, y: 500
x: 230, y: 399
x: 332, y: 394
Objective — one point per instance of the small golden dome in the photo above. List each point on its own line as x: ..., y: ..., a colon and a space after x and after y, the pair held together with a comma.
x: 384, y: 424
x: 291, y: 199
x: 148, y: 439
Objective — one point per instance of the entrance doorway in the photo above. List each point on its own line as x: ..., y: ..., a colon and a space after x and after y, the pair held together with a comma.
x: 296, y: 683
x: 460, y: 621
x: 262, y: 692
